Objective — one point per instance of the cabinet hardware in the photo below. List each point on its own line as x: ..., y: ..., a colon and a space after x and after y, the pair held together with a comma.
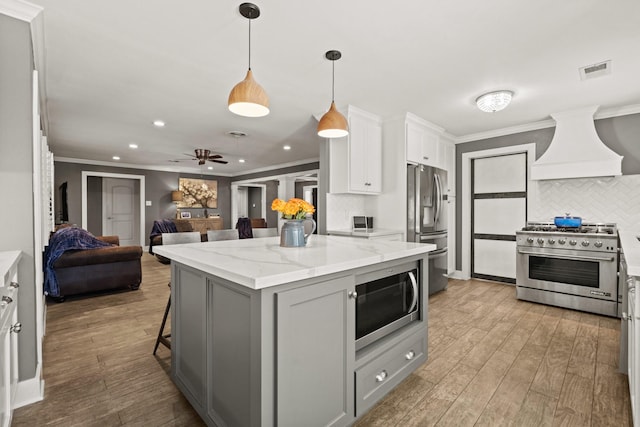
x: 353, y: 294
x: 14, y: 285
x: 625, y: 316
x: 381, y: 376
x: 16, y: 328
x: 5, y: 300
x: 410, y: 355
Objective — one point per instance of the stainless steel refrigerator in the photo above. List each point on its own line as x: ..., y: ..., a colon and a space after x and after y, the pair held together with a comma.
x: 427, y: 218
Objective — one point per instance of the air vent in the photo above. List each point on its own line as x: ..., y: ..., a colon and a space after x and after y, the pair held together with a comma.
x: 595, y: 70
x: 236, y: 133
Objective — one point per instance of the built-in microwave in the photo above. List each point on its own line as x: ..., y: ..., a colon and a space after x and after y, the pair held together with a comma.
x: 386, y: 301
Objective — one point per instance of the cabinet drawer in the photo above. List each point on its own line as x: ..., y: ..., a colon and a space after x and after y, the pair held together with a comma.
x: 378, y: 377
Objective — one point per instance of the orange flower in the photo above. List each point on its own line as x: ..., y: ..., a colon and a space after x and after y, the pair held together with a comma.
x: 292, y: 209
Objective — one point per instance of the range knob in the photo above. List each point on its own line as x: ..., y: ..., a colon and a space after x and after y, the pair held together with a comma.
x: 540, y: 240
x: 551, y: 241
x: 598, y: 244
x: 562, y: 240
x: 585, y: 243
x: 573, y: 242
x: 529, y: 239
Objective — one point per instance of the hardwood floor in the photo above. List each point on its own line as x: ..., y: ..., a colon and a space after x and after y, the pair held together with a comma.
x: 493, y: 360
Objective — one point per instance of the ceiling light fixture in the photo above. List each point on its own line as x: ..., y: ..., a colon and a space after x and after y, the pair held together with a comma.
x: 241, y: 160
x: 248, y: 98
x: 333, y: 124
x: 159, y: 123
x: 116, y: 158
x: 133, y: 146
x: 286, y: 147
x: 494, y: 101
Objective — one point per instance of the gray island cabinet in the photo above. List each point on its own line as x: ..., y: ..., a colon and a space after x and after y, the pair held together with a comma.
x: 265, y: 336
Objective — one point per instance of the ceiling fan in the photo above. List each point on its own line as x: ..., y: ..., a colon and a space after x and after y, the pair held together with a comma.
x: 203, y: 156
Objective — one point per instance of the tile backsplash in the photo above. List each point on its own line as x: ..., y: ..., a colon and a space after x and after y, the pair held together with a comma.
x: 604, y: 199
x: 341, y: 208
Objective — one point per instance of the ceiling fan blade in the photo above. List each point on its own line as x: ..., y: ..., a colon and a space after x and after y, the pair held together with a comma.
x: 224, y: 162
x: 215, y: 156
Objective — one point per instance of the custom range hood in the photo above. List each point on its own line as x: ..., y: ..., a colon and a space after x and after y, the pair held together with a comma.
x: 576, y: 151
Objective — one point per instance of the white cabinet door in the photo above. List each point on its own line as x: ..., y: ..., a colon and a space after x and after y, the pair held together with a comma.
x: 356, y: 161
x: 423, y: 146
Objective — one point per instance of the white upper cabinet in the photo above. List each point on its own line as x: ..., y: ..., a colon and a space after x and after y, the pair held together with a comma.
x: 424, y: 143
x: 356, y: 160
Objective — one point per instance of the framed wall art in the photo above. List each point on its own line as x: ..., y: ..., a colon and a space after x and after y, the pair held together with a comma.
x: 198, y: 193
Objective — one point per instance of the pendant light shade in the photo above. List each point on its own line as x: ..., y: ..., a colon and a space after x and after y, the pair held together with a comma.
x: 248, y: 98
x: 333, y: 124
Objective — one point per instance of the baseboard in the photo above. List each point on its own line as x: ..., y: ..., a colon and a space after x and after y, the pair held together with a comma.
x: 29, y: 391
x: 458, y: 275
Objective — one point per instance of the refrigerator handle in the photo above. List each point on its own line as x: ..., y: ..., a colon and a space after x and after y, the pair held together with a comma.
x: 418, y: 202
x: 438, y: 200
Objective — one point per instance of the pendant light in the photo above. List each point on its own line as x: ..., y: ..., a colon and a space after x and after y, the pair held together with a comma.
x: 333, y: 124
x: 248, y: 98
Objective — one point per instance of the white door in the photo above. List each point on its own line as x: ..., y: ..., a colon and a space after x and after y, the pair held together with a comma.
x: 120, y: 210
x: 499, y: 209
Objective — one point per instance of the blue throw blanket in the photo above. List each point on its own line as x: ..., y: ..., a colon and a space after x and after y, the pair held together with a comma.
x: 65, y: 239
x: 159, y: 227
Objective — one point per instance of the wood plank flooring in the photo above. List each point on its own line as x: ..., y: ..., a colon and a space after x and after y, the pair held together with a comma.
x: 493, y: 361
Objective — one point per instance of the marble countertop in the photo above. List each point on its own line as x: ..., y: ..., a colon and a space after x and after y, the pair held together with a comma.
x: 631, y: 248
x: 364, y: 233
x: 261, y: 263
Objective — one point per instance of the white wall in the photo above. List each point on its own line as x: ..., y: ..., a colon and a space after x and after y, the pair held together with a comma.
x: 610, y: 199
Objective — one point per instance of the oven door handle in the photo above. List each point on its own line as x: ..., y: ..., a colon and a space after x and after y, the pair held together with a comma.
x: 414, y: 285
x: 574, y: 257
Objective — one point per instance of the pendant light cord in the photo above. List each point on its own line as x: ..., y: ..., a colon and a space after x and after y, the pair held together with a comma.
x: 333, y: 80
x: 249, y: 42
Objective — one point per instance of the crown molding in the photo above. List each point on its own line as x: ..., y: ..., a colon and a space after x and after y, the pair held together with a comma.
x: 179, y: 169
x: 604, y: 113
x: 20, y: 9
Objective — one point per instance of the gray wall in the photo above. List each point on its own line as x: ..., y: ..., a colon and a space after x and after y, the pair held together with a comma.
x: 621, y: 134
x: 255, y: 202
x: 16, y: 168
x: 271, y: 193
x: 94, y: 205
x: 158, y: 187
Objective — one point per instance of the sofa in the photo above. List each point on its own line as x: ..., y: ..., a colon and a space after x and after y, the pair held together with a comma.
x: 82, y: 271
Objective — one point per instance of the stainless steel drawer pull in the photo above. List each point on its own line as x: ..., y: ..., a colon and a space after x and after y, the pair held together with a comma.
x: 14, y: 285
x: 16, y: 328
x: 6, y: 300
x: 410, y: 355
x: 381, y: 376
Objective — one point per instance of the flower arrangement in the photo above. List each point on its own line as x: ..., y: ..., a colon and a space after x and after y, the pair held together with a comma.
x: 292, y: 209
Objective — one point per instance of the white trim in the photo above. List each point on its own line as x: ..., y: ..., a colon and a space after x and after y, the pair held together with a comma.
x: 604, y: 113
x: 505, y: 131
x: 457, y: 274
x: 20, y: 9
x: 179, y: 169
x: 277, y: 177
x: 29, y: 391
x: 466, y: 193
x: 141, y: 178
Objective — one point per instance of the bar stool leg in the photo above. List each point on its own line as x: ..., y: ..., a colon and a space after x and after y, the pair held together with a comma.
x: 164, y: 339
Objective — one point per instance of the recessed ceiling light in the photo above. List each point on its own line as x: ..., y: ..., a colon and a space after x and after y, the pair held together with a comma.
x: 133, y: 146
x: 159, y: 123
x: 210, y: 167
x: 116, y: 157
x: 241, y: 160
x: 286, y: 147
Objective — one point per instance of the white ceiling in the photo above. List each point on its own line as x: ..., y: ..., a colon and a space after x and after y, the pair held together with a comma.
x: 113, y: 67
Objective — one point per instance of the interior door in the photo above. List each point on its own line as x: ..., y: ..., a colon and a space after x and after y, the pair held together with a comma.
x: 120, y: 210
x: 499, y: 208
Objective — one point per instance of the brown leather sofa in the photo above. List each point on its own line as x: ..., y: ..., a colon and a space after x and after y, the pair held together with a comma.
x: 102, y: 269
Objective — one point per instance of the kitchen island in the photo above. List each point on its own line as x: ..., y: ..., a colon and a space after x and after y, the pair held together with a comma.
x: 264, y: 335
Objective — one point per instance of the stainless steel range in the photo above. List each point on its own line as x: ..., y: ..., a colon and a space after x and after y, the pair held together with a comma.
x: 569, y: 267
